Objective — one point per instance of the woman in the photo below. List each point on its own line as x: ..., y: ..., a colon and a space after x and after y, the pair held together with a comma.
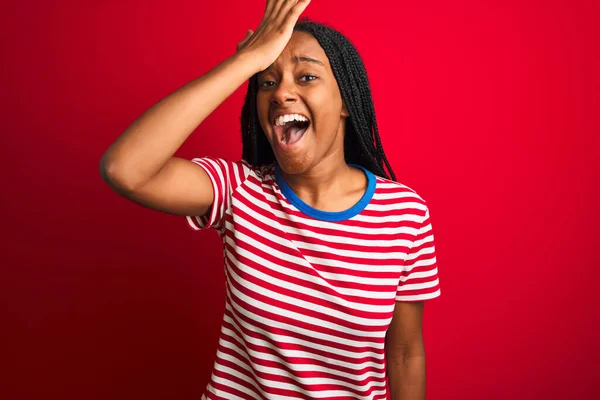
x: 327, y: 258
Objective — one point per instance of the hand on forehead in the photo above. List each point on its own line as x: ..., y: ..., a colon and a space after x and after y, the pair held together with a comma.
x: 302, y: 47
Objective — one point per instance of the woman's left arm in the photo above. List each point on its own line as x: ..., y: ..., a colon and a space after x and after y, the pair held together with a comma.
x: 405, y: 352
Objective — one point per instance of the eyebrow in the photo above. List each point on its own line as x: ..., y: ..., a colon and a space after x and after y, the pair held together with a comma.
x: 299, y: 59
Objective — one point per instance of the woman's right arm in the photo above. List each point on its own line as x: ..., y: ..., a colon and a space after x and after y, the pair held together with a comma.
x: 140, y: 164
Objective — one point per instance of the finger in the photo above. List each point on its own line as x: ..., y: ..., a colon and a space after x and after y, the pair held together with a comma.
x: 291, y: 17
x: 277, y: 7
x: 244, y: 40
x: 269, y: 8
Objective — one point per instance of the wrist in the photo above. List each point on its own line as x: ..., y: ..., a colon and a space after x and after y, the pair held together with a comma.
x: 249, y: 62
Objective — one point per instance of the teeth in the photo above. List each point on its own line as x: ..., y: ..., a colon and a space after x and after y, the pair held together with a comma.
x: 283, y: 119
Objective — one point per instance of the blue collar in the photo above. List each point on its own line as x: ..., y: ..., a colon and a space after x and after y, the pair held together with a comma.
x: 328, y: 215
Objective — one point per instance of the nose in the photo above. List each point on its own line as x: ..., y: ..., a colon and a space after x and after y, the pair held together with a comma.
x: 285, y: 93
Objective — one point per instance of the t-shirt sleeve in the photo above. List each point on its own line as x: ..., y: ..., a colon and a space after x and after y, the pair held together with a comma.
x: 419, y: 279
x: 226, y: 177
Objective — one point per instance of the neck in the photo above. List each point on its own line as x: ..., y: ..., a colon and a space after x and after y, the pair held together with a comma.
x: 325, y: 185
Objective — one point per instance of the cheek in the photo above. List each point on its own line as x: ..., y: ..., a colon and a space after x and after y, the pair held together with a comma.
x: 328, y: 105
x: 328, y: 116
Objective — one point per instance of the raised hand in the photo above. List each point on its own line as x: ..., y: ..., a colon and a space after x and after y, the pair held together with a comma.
x: 274, y: 31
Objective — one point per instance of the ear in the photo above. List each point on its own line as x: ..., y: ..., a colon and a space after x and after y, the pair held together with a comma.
x: 344, y: 111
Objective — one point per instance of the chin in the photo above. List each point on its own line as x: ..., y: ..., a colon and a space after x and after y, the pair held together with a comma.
x: 294, y: 164
x: 294, y: 161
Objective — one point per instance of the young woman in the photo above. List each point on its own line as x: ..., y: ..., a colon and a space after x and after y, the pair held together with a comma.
x: 327, y: 259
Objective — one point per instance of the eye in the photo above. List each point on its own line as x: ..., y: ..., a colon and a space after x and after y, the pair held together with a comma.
x: 312, y: 77
x: 266, y: 84
x: 303, y: 78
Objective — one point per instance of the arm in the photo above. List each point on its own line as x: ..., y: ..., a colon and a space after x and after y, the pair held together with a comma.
x: 405, y: 352
x: 140, y: 164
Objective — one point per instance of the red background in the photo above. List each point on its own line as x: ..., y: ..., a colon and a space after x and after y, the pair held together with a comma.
x: 489, y: 111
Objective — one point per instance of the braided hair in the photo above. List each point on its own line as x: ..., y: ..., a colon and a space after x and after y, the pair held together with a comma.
x: 362, y: 144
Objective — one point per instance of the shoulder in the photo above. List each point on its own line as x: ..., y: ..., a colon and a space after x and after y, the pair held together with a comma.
x: 397, y: 190
x: 396, y: 195
x: 264, y: 172
x: 239, y: 170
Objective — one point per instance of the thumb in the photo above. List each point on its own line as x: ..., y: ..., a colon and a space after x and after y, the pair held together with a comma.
x: 241, y: 44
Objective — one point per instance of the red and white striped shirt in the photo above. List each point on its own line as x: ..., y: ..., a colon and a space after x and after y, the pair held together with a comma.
x: 310, y: 294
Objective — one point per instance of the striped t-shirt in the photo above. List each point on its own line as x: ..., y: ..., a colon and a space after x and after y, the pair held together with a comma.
x: 310, y: 294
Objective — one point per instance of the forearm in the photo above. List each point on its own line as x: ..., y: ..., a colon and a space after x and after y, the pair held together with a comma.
x: 145, y: 146
x: 406, y: 375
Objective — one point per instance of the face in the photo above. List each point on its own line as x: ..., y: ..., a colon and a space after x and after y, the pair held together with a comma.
x: 300, y: 107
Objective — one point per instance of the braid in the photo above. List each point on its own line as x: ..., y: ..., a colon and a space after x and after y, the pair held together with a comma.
x: 362, y: 144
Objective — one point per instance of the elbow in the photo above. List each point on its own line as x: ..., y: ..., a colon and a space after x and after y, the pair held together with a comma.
x: 402, y: 352
x: 114, y: 176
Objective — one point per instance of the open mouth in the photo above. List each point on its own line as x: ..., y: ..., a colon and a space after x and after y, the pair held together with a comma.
x: 290, y: 129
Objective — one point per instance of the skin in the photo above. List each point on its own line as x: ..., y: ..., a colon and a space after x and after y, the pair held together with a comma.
x: 405, y: 352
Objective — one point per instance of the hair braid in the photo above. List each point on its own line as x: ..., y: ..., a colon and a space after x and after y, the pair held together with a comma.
x: 362, y: 143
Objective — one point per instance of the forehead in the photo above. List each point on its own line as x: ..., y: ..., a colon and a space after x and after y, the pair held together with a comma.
x: 302, y: 44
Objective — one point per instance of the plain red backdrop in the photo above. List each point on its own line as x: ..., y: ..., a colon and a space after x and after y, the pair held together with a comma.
x: 489, y: 110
